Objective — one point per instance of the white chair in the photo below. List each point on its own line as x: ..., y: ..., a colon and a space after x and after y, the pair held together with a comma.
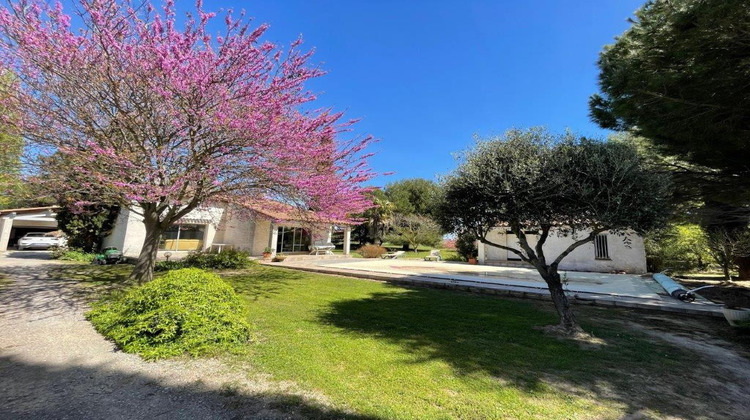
x: 434, y: 256
x: 324, y: 247
x: 393, y: 255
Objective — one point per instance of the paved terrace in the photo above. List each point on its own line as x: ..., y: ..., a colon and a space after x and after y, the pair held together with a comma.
x: 620, y: 290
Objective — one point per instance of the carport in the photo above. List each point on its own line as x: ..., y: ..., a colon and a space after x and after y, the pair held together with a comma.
x: 14, y: 223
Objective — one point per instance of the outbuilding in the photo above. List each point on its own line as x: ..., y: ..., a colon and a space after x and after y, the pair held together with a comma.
x: 605, y: 254
x: 14, y: 223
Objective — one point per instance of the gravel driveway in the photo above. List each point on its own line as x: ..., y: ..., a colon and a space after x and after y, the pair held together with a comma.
x: 53, y: 364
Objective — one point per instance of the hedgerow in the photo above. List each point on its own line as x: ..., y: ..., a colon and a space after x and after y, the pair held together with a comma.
x: 229, y: 259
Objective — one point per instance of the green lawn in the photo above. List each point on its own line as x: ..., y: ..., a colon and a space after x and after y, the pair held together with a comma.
x: 384, y: 351
x: 445, y: 254
x: 391, y: 352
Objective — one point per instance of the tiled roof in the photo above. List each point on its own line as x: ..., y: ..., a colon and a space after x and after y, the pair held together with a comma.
x: 285, y: 212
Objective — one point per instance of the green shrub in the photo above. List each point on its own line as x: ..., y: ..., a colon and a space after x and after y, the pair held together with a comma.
x: 371, y: 251
x: 227, y: 259
x: 71, y: 254
x: 466, y: 246
x: 168, y: 265
x: 188, y: 311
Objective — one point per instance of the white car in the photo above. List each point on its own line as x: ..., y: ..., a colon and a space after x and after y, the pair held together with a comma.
x: 40, y: 240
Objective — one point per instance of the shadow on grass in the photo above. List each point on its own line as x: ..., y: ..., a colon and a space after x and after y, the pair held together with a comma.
x: 39, y: 391
x: 499, y: 337
x: 262, y: 282
x: 50, y: 288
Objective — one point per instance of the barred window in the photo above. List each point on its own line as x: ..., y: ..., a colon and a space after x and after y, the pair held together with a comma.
x: 601, y: 247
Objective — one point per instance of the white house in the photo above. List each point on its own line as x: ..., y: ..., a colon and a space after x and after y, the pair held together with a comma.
x: 252, y: 229
x: 607, y: 253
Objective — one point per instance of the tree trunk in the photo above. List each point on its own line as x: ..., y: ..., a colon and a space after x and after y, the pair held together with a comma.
x: 743, y: 266
x: 143, y: 271
x: 725, y: 269
x: 567, y: 319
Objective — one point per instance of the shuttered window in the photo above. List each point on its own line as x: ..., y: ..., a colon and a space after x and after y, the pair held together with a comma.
x: 601, y: 247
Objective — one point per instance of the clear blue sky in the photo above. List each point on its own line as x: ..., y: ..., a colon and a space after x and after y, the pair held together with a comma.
x: 425, y: 75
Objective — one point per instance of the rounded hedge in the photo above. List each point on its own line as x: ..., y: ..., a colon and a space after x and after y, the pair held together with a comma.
x: 187, y: 311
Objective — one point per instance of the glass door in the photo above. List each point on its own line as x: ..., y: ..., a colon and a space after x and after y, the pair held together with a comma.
x: 292, y: 239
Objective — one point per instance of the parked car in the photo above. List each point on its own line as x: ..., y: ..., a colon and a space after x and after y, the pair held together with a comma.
x: 40, y: 240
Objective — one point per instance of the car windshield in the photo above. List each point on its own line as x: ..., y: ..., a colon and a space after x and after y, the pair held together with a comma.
x: 34, y: 235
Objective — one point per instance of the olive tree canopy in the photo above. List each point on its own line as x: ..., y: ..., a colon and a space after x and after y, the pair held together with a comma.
x: 534, y: 181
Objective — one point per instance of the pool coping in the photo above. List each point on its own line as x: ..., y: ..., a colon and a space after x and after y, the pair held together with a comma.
x: 445, y: 281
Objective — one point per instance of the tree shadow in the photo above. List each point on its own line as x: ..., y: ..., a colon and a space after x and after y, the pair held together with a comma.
x: 260, y: 282
x: 39, y: 391
x: 501, y: 338
x: 48, y: 289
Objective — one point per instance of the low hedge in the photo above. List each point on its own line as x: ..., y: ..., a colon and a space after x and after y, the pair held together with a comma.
x: 72, y: 254
x: 226, y: 260
x: 187, y: 311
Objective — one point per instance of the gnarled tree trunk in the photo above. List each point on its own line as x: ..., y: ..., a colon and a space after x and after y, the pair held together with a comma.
x: 144, y: 268
x: 549, y: 273
x: 562, y: 305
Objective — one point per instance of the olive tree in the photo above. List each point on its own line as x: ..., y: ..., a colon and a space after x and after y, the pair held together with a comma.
x: 532, y: 181
x: 414, y: 230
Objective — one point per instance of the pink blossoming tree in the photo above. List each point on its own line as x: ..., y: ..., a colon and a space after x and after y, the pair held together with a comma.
x: 136, y: 107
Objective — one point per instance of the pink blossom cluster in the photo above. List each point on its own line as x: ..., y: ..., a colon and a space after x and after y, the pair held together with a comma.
x: 146, y: 112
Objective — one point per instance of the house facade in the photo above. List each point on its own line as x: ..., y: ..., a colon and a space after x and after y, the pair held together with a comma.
x: 215, y: 228
x: 607, y: 253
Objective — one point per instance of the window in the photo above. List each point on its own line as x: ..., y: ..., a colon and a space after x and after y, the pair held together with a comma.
x: 601, y: 247
x: 182, y: 238
x: 292, y: 239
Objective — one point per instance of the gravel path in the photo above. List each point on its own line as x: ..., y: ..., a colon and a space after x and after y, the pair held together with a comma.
x: 53, y: 364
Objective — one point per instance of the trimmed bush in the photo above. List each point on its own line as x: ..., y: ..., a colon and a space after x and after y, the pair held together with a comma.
x: 168, y: 265
x: 187, y: 311
x: 228, y: 259
x: 72, y: 254
x: 371, y: 251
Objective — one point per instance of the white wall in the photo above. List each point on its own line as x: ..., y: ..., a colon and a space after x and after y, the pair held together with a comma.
x: 236, y: 230
x: 130, y: 232
x: 629, y: 257
x: 261, y: 235
x: 34, y: 224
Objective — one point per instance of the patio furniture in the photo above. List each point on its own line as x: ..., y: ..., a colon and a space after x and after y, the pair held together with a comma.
x: 434, y: 256
x: 219, y: 247
x: 392, y: 255
x: 325, y: 247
